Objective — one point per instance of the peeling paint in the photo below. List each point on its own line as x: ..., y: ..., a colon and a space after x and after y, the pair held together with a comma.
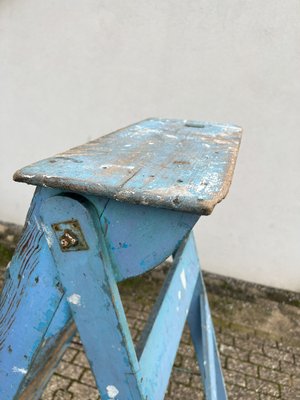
x: 37, y: 222
x: 148, y: 148
x: 49, y: 234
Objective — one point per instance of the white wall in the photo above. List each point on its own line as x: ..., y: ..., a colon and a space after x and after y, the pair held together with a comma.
x: 72, y: 70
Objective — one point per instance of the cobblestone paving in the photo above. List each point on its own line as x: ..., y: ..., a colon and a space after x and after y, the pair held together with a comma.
x: 258, y: 331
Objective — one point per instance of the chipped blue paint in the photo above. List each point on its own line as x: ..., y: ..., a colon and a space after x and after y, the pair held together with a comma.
x: 28, y: 302
x: 142, y: 229
x: 204, y: 339
x: 93, y: 296
x: 176, y: 164
x: 160, y: 346
x: 32, y: 297
x: 169, y: 172
x: 91, y: 290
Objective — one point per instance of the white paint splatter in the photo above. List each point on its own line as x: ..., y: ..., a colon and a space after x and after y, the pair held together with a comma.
x: 75, y: 299
x: 117, y: 166
x: 19, y: 370
x: 177, y: 309
x: 172, y: 136
x: 112, y: 391
x: 183, y: 279
x: 179, y: 294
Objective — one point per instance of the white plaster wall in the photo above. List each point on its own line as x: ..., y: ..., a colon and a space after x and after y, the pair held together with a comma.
x: 72, y: 70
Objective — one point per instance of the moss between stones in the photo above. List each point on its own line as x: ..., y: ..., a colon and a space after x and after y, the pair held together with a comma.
x: 246, y: 291
x: 5, y: 254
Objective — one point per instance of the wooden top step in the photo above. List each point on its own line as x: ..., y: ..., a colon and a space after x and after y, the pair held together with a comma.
x: 176, y: 164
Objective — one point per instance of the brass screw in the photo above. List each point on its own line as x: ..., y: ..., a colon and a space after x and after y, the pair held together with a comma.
x: 68, y: 239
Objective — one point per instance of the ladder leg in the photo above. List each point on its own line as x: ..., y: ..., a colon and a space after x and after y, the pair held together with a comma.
x: 161, y: 337
x: 29, y: 301
x: 92, y: 293
x: 56, y: 340
x: 203, y: 336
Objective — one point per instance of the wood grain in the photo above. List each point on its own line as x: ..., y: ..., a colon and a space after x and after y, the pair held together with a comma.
x: 176, y: 164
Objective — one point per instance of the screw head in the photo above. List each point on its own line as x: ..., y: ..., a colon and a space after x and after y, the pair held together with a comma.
x: 68, y: 239
x: 70, y: 236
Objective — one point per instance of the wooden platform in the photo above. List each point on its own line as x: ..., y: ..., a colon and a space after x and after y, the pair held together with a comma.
x: 175, y: 164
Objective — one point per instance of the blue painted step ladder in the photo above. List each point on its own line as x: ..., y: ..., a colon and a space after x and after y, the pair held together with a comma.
x: 103, y: 212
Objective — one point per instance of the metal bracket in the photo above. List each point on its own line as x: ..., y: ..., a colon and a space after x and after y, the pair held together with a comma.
x: 70, y: 236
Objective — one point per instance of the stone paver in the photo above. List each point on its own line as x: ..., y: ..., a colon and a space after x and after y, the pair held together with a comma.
x: 258, y: 331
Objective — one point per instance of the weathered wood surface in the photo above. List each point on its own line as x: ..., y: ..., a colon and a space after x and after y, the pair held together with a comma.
x: 48, y: 287
x: 31, y: 296
x: 89, y: 280
x: 92, y: 293
x: 176, y: 164
x: 139, y: 238
x: 35, y: 319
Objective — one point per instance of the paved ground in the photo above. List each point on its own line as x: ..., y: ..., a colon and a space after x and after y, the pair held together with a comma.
x: 258, y: 331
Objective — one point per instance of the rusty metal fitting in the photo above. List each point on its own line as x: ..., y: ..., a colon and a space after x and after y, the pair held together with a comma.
x: 68, y: 239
